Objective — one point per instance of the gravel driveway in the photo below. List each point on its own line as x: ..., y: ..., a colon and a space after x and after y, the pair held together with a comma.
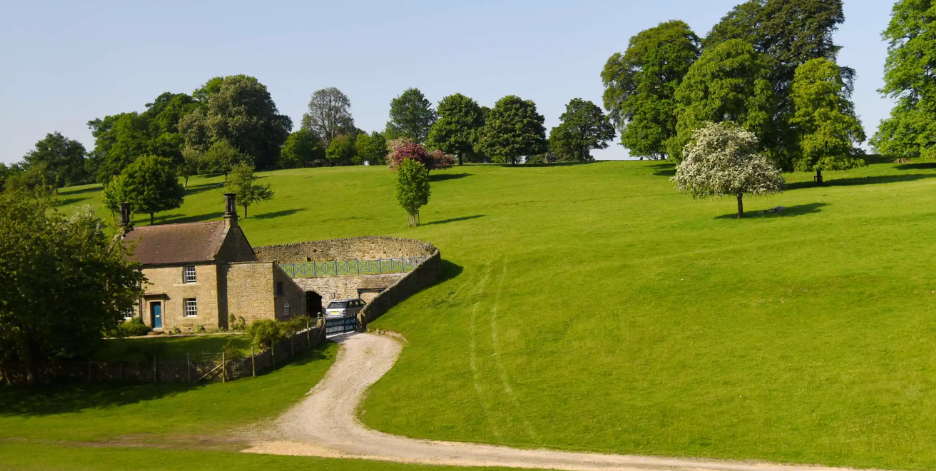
x: 325, y: 424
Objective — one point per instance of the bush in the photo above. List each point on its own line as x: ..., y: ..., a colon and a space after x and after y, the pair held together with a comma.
x: 265, y: 333
x: 231, y: 351
x: 132, y: 328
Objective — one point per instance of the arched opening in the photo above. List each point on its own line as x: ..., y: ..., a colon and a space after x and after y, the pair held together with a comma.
x: 313, y: 303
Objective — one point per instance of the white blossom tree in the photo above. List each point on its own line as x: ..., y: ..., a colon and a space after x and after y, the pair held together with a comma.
x: 722, y: 160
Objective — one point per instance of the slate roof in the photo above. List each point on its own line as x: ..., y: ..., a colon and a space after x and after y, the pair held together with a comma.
x: 170, y: 244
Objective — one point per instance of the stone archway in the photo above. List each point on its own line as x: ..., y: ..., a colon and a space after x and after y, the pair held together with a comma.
x: 313, y: 303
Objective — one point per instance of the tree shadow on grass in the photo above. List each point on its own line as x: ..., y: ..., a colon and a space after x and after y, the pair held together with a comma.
x: 60, y: 398
x: 67, y: 191
x: 917, y: 166
x: 178, y: 218
x: 441, y: 177
x: 446, y: 221
x: 68, y: 201
x: 276, y: 214
x: 792, y: 211
x: 195, y: 189
x: 862, y: 181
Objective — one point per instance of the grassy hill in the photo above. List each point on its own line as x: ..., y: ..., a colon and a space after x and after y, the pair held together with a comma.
x: 591, y: 307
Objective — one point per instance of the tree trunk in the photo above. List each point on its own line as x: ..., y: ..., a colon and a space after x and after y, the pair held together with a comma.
x: 740, y: 206
x: 460, y: 160
x: 819, y: 176
x: 245, y: 211
x: 152, y: 218
x: 186, y: 183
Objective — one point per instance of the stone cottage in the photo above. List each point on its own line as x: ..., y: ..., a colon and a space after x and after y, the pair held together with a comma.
x: 203, y: 273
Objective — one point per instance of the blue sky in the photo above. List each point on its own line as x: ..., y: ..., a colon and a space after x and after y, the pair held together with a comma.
x: 65, y: 63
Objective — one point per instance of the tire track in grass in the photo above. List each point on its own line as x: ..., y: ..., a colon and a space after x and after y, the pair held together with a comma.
x: 473, y: 355
x: 497, y: 356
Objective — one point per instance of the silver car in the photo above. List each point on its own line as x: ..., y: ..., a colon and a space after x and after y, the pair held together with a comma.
x: 344, y: 307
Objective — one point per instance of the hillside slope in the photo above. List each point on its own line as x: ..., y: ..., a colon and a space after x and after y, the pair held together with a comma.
x: 591, y: 307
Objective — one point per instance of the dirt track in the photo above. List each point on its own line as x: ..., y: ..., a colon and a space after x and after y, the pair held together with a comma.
x: 325, y: 424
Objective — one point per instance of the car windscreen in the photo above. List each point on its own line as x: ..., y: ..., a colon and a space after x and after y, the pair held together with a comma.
x: 337, y: 305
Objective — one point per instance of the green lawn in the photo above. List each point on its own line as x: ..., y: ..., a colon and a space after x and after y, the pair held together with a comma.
x: 143, y: 349
x: 591, y: 307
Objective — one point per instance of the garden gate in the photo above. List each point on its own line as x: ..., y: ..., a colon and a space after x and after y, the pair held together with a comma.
x: 338, y: 325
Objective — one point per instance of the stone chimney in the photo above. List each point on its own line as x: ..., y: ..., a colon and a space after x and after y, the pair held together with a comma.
x: 230, y: 210
x: 125, y: 224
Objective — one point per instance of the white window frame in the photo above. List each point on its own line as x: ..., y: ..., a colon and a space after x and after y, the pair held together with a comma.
x: 189, y: 270
x: 186, y: 303
x: 129, y: 313
x: 285, y: 308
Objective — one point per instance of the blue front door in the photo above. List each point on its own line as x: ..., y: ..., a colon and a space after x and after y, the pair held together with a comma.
x: 156, y: 313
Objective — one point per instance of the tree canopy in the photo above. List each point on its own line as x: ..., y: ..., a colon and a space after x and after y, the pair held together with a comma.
x: 411, y: 116
x: 455, y: 132
x: 727, y: 83
x: 329, y: 115
x: 303, y: 148
x: 244, y: 185
x: 149, y: 184
x: 910, y: 79
x: 641, y: 83
x: 583, y: 127
x: 341, y: 151
x: 63, y: 282
x: 788, y: 33
x: 513, y: 129
x: 722, y: 160
x: 829, y: 131
x: 64, y: 159
x: 372, y: 148
x: 242, y: 113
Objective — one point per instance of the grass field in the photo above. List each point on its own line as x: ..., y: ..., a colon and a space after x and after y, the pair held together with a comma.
x: 143, y: 349
x: 591, y: 307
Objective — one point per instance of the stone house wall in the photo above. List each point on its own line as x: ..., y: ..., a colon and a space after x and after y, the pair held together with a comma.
x: 292, y: 294
x: 164, y: 285
x: 250, y: 291
x: 354, y: 248
x: 235, y: 247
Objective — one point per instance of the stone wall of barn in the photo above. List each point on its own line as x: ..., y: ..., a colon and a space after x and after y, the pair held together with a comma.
x: 354, y: 248
x: 331, y: 288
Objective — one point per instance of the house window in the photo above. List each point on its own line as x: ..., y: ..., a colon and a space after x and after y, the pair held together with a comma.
x: 128, y: 314
x: 188, y: 275
x: 286, y: 309
x: 279, y: 288
x: 191, y: 308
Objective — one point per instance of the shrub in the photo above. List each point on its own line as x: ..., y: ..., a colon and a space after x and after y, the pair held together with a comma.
x: 231, y: 351
x: 132, y: 328
x: 264, y: 333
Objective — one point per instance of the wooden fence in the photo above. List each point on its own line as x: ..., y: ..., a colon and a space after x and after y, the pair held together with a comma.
x: 192, y: 368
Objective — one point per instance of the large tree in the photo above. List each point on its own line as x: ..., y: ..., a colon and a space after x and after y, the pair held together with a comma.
x: 512, y: 130
x: 303, y: 148
x: 727, y: 83
x: 341, y: 151
x: 789, y: 33
x: 329, y: 115
x: 722, y: 160
x: 640, y: 85
x: 910, y: 79
x: 583, y: 127
x: 243, y: 113
x: 150, y: 186
x: 829, y: 132
x: 63, y: 282
x: 411, y: 116
x: 455, y: 132
x: 64, y: 159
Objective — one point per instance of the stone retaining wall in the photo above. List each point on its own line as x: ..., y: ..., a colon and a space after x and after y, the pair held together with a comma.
x: 354, y: 248
x: 331, y: 288
x: 423, y: 276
